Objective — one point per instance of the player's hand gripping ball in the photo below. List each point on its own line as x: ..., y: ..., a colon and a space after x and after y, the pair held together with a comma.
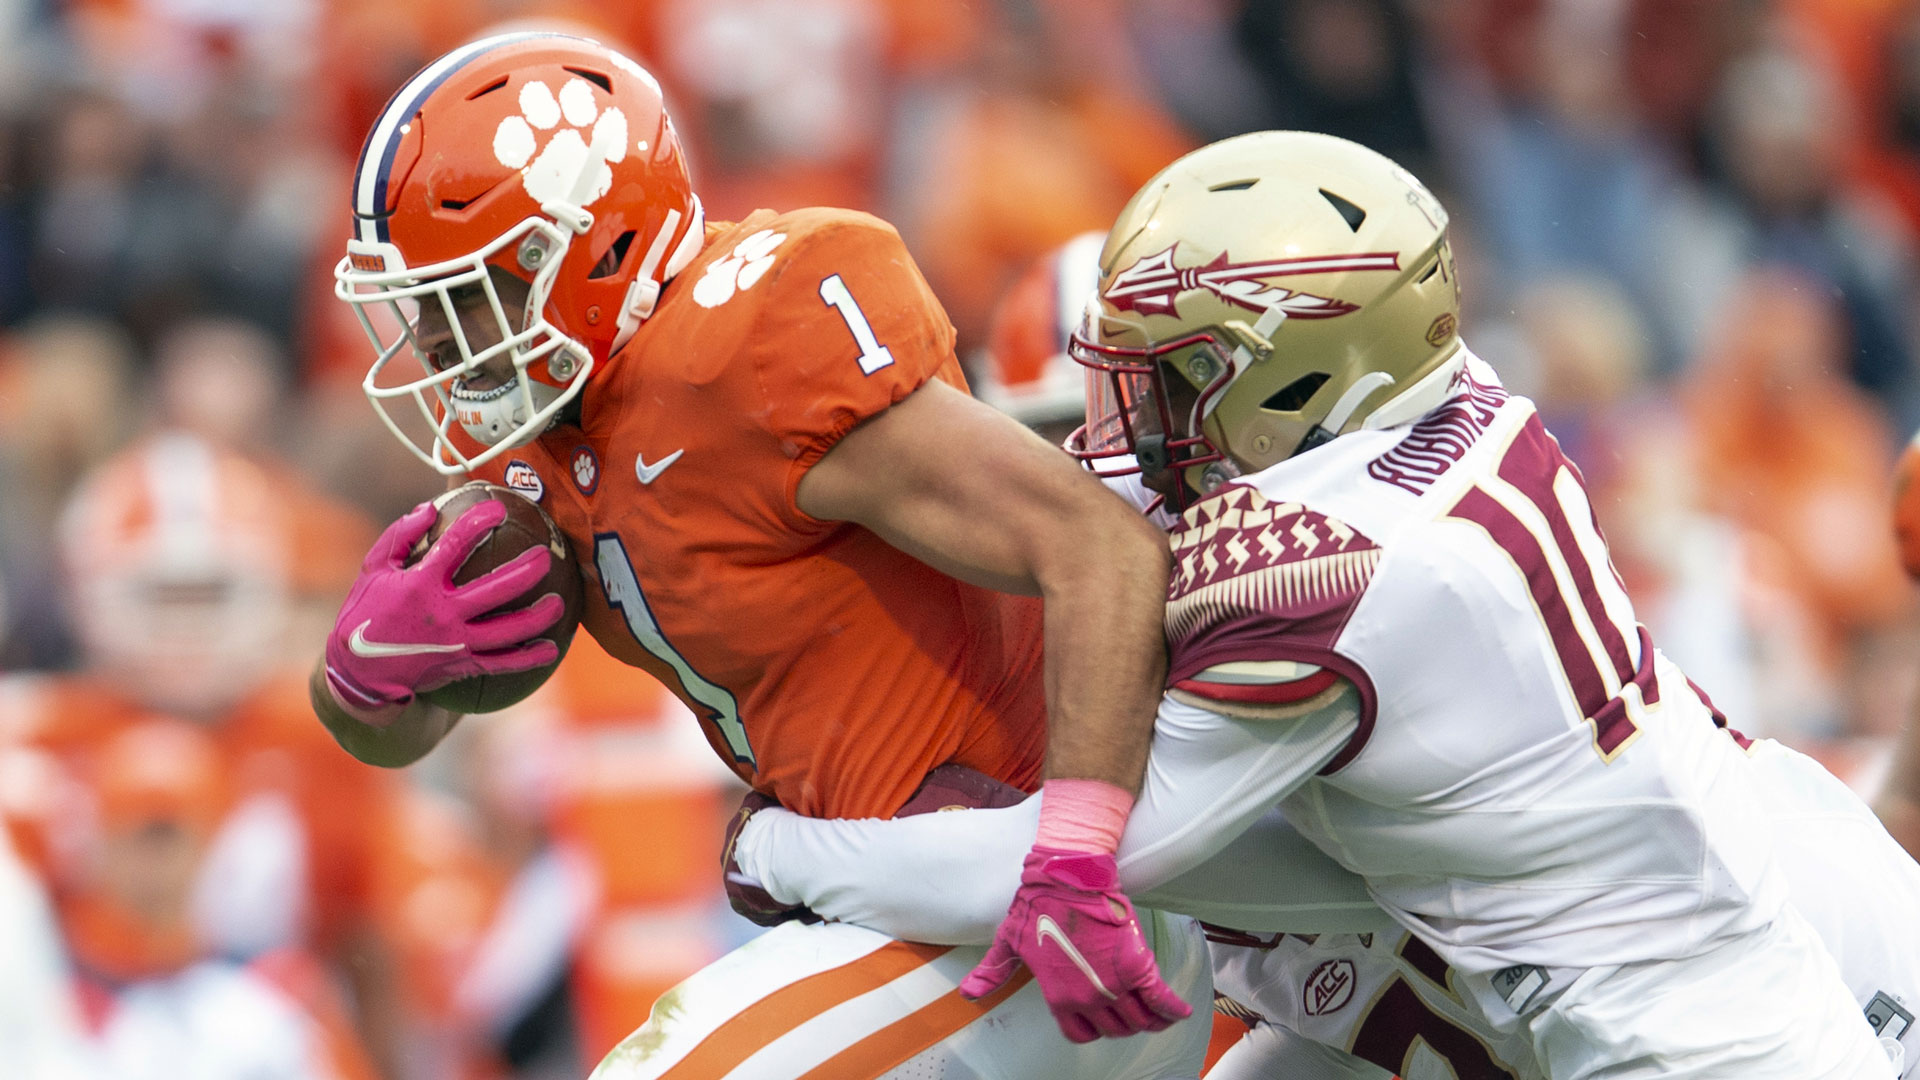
x: 526, y: 526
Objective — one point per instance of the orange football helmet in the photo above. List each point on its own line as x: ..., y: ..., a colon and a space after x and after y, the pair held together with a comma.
x: 1028, y: 374
x: 545, y: 156
x: 176, y: 562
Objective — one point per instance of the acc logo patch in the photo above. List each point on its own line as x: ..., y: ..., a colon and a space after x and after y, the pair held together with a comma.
x: 522, y: 478
x: 1442, y: 328
x: 1328, y: 988
x: 586, y: 469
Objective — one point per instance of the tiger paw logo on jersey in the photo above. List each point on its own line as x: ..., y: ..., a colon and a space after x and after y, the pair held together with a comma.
x: 750, y: 261
x: 549, y: 170
x: 1329, y: 987
x: 586, y: 469
x: 1152, y: 286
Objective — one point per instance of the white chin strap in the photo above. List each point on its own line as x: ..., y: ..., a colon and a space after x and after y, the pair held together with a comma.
x: 645, y: 291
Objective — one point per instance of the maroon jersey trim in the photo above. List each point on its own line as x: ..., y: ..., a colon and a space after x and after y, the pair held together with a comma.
x: 1271, y: 693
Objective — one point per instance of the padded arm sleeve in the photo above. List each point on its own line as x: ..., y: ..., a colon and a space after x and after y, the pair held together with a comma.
x: 948, y: 878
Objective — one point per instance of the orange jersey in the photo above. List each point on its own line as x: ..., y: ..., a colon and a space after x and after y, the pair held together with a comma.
x: 831, y: 669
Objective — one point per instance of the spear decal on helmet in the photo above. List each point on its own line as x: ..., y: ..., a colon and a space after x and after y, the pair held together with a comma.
x: 1152, y: 285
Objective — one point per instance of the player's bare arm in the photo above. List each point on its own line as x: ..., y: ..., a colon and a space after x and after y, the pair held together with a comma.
x: 1017, y: 515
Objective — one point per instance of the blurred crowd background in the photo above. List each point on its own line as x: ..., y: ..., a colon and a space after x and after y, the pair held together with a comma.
x: 1686, y: 228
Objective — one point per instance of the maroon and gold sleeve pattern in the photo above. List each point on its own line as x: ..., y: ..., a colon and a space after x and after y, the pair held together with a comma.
x: 1259, y: 594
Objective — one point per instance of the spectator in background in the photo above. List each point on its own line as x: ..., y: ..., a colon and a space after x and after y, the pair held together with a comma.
x: 65, y: 404
x: 90, y: 207
x: 249, y: 417
x: 1777, y: 128
x: 1590, y: 355
x: 1188, y: 49
x: 1556, y: 174
x: 785, y: 100
x: 16, y: 292
x: 561, y: 879
x: 248, y: 367
x: 1048, y: 138
x: 1343, y: 67
x: 177, y: 560
x: 160, y: 1003
x: 1788, y: 448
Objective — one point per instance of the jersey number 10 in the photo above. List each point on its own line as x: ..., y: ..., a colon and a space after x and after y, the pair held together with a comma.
x: 1536, y: 510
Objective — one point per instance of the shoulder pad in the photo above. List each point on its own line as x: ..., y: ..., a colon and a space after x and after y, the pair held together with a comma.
x: 1252, y: 570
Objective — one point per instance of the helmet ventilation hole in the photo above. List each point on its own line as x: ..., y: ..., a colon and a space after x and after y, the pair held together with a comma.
x: 1353, y: 215
x: 1295, y: 395
x: 609, y: 263
x: 489, y: 88
x: 598, y: 78
x: 1428, y: 276
x: 1235, y: 185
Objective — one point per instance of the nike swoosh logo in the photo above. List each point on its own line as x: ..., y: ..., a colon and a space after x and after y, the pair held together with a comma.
x: 360, y: 646
x: 1046, y: 928
x: 649, y: 473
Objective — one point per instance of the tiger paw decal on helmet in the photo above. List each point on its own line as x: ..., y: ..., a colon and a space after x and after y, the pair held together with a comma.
x: 738, y: 272
x: 549, y: 171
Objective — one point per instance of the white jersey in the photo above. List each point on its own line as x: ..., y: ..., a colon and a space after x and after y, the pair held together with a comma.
x: 1532, y: 785
x: 1390, y: 1001
x: 1386, y: 999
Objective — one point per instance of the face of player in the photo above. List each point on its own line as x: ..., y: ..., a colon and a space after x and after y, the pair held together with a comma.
x: 1181, y: 398
x: 481, y: 327
x: 149, y: 868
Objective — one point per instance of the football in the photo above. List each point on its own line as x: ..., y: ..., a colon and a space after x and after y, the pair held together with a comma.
x: 526, y: 526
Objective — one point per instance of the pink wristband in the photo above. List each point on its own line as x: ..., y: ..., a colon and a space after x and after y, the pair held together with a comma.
x: 1082, y: 815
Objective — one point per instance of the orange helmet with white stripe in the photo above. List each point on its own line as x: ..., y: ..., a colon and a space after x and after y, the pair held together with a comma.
x: 543, y: 156
x: 176, y: 560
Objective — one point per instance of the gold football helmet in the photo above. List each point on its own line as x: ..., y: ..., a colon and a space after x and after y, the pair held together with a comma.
x: 1258, y: 297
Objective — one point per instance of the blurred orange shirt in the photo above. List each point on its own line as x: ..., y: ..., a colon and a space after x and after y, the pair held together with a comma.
x: 1015, y: 175
x: 269, y: 745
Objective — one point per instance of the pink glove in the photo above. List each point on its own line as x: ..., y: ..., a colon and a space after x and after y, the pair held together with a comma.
x: 1076, y: 930
x: 407, y: 629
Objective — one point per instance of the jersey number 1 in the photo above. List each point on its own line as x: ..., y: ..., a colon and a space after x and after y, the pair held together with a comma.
x: 873, y: 355
x: 617, y: 580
